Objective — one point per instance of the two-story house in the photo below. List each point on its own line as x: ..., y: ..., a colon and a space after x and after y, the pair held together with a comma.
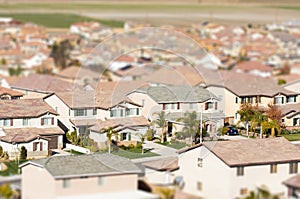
x: 84, y: 176
x: 31, y: 123
x: 175, y: 100
x: 231, y: 169
x: 235, y: 89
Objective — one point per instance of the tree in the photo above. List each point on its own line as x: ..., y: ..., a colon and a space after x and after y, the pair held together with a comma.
x: 258, y: 120
x: 72, y: 137
x: 274, y: 114
x: 247, y: 113
x: 6, y: 191
x: 161, y: 122
x: 142, y: 137
x: 15, y: 71
x: 191, y: 124
x: 60, y: 53
x: 23, y: 153
x: 109, y: 133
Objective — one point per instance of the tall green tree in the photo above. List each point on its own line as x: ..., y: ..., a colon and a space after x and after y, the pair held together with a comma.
x: 161, y: 122
x: 23, y: 153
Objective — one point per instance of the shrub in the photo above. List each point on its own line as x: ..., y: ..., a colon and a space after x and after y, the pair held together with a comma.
x: 149, y: 134
x: 23, y: 153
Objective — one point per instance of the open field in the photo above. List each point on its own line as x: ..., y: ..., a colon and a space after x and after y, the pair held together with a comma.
x: 60, y: 14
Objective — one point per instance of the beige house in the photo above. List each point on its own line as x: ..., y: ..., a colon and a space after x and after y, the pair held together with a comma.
x: 84, y: 176
x: 231, y: 169
x: 235, y: 89
x: 31, y: 123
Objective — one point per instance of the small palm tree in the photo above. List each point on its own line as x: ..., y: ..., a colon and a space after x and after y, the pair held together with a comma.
x: 109, y: 133
x: 161, y: 122
x: 142, y: 137
x: 191, y: 124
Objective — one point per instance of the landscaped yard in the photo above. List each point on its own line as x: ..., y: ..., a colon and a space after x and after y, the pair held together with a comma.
x: 132, y: 153
x: 57, y: 20
x: 175, y: 145
x: 292, y: 137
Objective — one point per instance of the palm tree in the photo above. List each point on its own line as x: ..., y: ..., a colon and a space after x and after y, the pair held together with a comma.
x: 191, y: 124
x: 272, y: 124
x: 161, y: 122
x: 258, y: 119
x: 142, y: 137
x: 109, y: 133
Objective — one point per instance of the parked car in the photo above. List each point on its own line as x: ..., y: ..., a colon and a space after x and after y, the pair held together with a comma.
x: 232, y: 131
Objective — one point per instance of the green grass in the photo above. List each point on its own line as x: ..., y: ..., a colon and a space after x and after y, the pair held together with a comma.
x: 292, y: 137
x: 12, y: 168
x: 132, y: 153
x: 57, y: 20
x: 174, y: 145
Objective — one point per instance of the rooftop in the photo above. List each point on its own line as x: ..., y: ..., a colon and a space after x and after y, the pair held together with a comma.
x: 61, y: 167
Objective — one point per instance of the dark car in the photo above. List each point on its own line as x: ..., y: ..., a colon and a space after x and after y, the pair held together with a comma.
x: 232, y: 131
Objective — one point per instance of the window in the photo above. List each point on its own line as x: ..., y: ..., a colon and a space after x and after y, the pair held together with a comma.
x: 66, y: 183
x: 47, y: 121
x: 25, y: 121
x: 293, y: 167
x: 123, y: 136
x: 116, y: 113
x: 94, y: 111
x: 80, y: 112
x: 295, y: 121
x: 131, y: 111
x: 200, y: 162
x: 240, y: 171
x: 290, y: 99
x: 236, y: 116
x: 37, y: 146
x: 193, y: 106
x: 282, y: 120
x: 143, y: 102
x: 8, y: 122
x: 100, y: 180
x: 279, y: 100
x: 243, y: 100
x: 236, y: 100
x: 199, y: 186
x: 209, y: 105
x: 273, y: 168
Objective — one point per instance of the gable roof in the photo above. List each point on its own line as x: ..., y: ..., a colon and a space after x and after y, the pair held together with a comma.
x: 170, y: 93
x: 12, y: 93
x: 250, y: 152
x: 61, y: 167
x: 24, y: 108
x: 24, y: 135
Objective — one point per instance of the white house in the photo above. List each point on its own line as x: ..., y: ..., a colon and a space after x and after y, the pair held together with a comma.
x: 230, y: 169
x: 31, y: 123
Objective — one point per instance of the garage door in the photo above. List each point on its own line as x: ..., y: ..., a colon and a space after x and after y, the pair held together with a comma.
x: 53, y: 142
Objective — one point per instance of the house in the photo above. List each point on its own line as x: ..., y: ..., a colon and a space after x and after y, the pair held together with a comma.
x: 175, y: 101
x: 84, y: 176
x: 80, y: 110
x: 290, y: 116
x: 31, y: 123
x: 129, y: 129
x: 243, y: 165
x: 258, y: 91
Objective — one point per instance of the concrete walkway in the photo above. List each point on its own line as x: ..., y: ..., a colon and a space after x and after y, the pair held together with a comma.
x: 160, y: 149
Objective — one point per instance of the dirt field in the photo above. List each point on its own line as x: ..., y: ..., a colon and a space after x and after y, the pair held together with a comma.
x: 176, y: 12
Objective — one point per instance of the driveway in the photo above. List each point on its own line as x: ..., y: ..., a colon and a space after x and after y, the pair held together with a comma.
x: 160, y: 149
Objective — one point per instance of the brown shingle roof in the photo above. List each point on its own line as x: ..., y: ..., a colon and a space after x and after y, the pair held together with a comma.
x: 252, y: 151
x: 19, y: 135
x: 293, y: 181
x: 255, y: 151
x: 24, y: 108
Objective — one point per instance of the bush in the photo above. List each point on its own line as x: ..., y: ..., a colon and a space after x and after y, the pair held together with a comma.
x: 23, y: 153
x: 149, y: 134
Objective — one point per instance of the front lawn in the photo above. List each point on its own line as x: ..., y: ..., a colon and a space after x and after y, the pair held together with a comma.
x: 174, y: 144
x: 292, y: 137
x: 132, y: 153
